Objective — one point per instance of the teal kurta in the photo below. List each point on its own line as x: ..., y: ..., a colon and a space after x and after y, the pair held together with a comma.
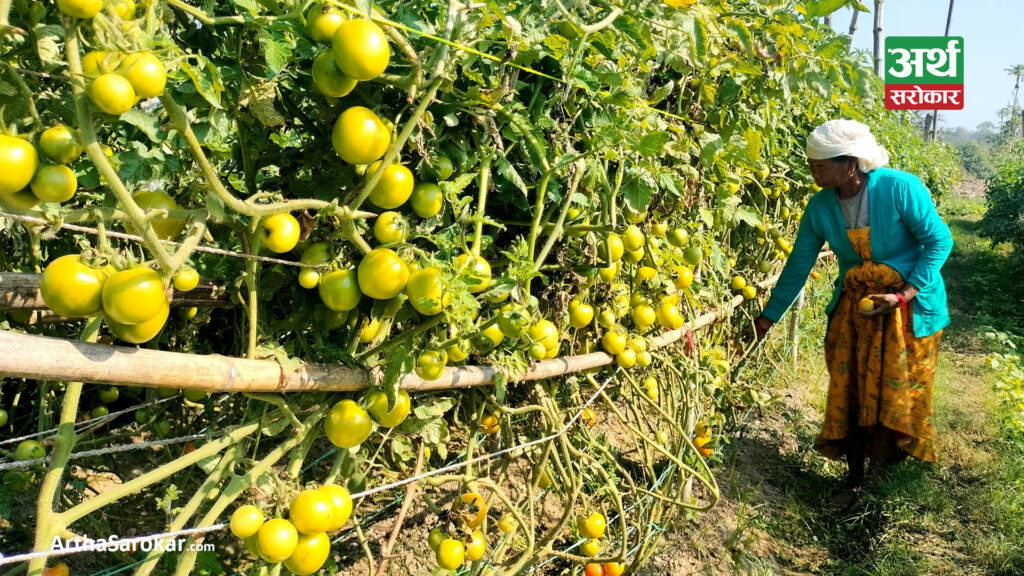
x: 907, y: 234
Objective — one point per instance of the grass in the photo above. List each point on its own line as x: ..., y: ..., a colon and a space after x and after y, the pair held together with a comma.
x: 964, y: 516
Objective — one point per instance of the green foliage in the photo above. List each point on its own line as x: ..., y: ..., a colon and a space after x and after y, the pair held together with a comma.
x: 976, y: 160
x: 1004, y: 220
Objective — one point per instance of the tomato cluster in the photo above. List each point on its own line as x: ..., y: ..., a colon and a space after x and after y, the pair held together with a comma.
x: 301, y: 542
x: 133, y: 301
x: 592, y: 528
x: 117, y: 81
x: 606, y: 569
x: 24, y: 183
x: 468, y: 542
x: 702, y: 439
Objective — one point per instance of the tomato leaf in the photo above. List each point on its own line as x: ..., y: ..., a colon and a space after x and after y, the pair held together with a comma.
x: 637, y: 189
x: 433, y: 430
x: 652, y: 143
x: 205, y: 78
x: 401, y: 447
x: 433, y: 407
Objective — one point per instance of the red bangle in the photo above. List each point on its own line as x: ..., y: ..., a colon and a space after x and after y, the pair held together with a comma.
x: 903, y: 303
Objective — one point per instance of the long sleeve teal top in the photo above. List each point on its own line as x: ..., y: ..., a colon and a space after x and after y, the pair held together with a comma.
x: 907, y: 234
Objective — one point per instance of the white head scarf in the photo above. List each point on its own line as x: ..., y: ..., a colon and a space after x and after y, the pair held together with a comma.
x: 846, y: 138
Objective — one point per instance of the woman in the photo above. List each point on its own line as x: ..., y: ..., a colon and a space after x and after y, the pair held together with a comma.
x: 890, y: 243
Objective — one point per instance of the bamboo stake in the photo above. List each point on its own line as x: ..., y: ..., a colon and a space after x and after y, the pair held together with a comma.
x: 878, y: 37
x: 21, y: 292
x: 45, y: 358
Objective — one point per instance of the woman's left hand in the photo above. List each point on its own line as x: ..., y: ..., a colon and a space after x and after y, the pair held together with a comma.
x: 884, y: 303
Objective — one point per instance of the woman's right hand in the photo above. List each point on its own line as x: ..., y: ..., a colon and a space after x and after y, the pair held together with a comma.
x: 761, y: 327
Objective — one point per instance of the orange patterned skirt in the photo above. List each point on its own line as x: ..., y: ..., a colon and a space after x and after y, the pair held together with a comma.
x: 881, y: 375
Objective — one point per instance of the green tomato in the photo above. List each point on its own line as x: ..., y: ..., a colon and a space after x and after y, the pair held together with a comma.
x: 359, y: 136
x: 329, y: 79
x: 60, y: 144
x: 109, y: 394
x: 427, y: 199
x: 339, y: 290
x: 377, y: 406
x: 133, y: 296
x: 427, y: 291
x: 322, y: 21
x: 54, y: 183
x: 382, y: 274
x: 347, y: 425
x: 112, y: 93
x: 29, y: 450
x: 390, y: 228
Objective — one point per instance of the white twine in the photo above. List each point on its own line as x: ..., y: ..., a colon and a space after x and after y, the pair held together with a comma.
x: 135, y: 238
x: 87, y: 423
x: 107, y: 450
x: 217, y: 527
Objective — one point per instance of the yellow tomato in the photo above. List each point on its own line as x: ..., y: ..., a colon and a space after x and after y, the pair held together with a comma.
x: 361, y: 49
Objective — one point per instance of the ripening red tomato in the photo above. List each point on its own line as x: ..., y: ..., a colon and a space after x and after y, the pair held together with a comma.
x: 471, y: 509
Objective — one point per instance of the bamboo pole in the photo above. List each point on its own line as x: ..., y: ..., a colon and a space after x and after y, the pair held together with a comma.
x: 878, y: 37
x: 21, y: 292
x: 794, y: 326
x: 45, y: 358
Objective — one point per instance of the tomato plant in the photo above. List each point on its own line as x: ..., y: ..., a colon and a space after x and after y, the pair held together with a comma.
x: 462, y: 187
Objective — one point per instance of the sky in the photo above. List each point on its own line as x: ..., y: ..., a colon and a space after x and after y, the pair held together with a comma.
x: 993, y: 41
